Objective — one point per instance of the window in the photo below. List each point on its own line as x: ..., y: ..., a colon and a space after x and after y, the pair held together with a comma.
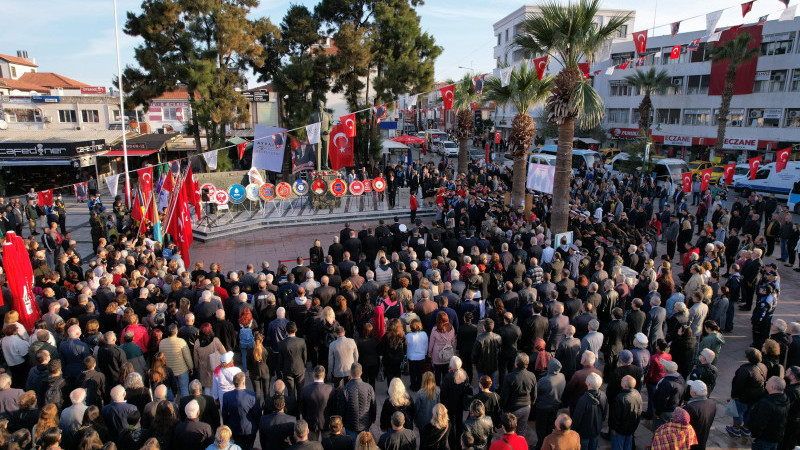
x: 619, y: 58
x: 795, y: 84
x: 506, y: 35
x: 761, y: 81
x: 650, y: 56
x: 617, y: 115
x: 20, y: 115
x: 635, y: 116
x: 619, y: 88
x: 1, y: 72
x: 623, y: 31
x: 777, y: 44
x: 665, y: 56
x: 67, y: 116
x: 764, y: 117
x: 90, y: 115
x: 498, y: 39
x: 697, y: 117
x: 675, y: 86
x: 170, y: 114
x: 735, y: 117
x: 793, y: 118
x: 777, y: 81
x: 697, y: 84
x: 115, y: 115
x: 13, y: 72
x: 668, y: 116
x: 703, y: 53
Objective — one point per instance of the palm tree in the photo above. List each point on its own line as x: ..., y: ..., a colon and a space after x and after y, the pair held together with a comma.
x: 648, y: 82
x: 736, y: 52
x: 463, y: 98
x: 569, y: 35
x: 524, y: 91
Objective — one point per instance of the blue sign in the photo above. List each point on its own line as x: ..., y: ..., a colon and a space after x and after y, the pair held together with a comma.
x: 237, y: 193
x: 45, y: 98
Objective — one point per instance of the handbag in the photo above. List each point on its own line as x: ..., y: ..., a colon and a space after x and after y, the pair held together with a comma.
x: 446, y: 352
x: 731, y: 409
x: 215, y: 359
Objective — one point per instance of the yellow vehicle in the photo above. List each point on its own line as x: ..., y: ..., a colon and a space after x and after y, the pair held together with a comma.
x: 698, y: 166
x: 717, y: 173
x: 607, y: 154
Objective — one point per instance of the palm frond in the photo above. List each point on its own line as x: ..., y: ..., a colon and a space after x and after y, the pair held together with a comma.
x: 587, y: 105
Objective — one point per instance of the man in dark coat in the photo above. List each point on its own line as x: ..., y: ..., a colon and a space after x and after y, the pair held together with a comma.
x: 702, y: 411
x: 536, y: 326
x: 509, y: 334
x: 636, y: 318
x: 208, y: 412
x: 518, y: 392
x: 615, y: 337
x: 559, y: 324
x: 241, y: 412
x: 110, y: 359
x: 301, y: 437
x: 315, y: 401
x: 357, y: 404
x: 293, y: 357
x: 568, y: 351
x: 590, y: 412
x: 192, y: 433
x: 767, y: 420
x: 116, y: 413
x: 792, y: 435
x: 625, y: 411
x: 668, y: 394
x: 72, y: 352
x: 399, y: 437
x: 276, y: 430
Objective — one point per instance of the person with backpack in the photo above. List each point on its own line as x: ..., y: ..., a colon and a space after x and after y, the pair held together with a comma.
x: 441, y: 345
x: 247, y: 327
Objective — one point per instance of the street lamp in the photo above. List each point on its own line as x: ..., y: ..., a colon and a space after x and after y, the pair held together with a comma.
x: 121, y: 111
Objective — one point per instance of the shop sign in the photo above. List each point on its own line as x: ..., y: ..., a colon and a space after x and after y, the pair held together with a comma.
x: 740, y: 144
x: 683, y: 141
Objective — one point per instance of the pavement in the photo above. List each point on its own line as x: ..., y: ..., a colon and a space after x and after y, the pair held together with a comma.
x: 275, y: 245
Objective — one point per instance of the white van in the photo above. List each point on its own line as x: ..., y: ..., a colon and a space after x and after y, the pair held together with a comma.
x: 670, y: 169
x: 741, y: 172
x: 581, y: 159
x: 615, y: 166
x: 767, y: 181
x: 533, y: 158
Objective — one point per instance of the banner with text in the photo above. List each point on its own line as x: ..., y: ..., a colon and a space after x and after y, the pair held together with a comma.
x: 268, y: 148
x: 540, y: 177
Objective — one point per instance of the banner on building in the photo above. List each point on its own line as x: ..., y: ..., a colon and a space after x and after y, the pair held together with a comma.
x: 211, y: 159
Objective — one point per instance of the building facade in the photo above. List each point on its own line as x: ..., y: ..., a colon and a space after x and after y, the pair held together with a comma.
x: 764, y: 119
x: 13, y: 67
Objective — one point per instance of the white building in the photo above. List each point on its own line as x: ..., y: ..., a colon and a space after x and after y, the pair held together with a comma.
x: 685, y: 123
x: 506, y: 53
x: 14, y: 66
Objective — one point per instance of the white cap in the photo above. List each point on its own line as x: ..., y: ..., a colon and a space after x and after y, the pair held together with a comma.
x: 641, y: 338
x: 669, y: 366
x: 698, y: 387
x: 227, y: 358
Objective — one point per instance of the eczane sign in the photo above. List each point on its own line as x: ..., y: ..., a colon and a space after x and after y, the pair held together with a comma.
x: 740, y: 144
x: 681, y: 141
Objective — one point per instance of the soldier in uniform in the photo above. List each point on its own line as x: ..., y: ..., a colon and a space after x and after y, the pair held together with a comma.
x: 61, y: 213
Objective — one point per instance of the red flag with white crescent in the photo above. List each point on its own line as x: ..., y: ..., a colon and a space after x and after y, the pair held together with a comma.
x: 755, y: 163
x: 746, y: 7
x: 240, y: 147
x: 782, y: 158
x: 541, y: 65
x: 349, y: 121
x: 340, y: 148
x: 584, y: 66
x: 675, y: 53
x: 180, y: 227
x: 448, y: 93
x: 640, y: 40
x: 45, y: 198
x: 145, y: 180
x: 730, y: 169
x: 19, y: 276
x: 705, y: 178
x: 192, y: 188
x: 686, y: 178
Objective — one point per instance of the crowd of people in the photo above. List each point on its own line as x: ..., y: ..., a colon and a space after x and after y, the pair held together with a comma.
x: 484, y: 329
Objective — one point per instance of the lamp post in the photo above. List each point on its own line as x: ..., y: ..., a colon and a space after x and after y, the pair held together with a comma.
x: 122, y: 110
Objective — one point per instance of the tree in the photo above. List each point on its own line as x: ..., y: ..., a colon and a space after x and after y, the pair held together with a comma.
x: 463, y: 98
x: 569, y: 35
x: 524, y: 91
x: 648, y: 82
x: 737, y: 52
x: 204, y: 45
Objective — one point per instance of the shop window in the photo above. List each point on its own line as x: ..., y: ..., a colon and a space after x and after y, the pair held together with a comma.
x: 90, y: 116
x: 696, y: 116
x: 67, y: 116
x: 23, y: 115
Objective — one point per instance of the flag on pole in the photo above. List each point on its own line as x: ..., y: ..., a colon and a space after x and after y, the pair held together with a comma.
x: 44, y: 198
x: 477, y: 83
x: 624, y: 65
x: 137, y: 209
x: 541, y: 65
x: 505, y: 76
x: 747, y: 7
x: 763, y: 19
x: 448, y: 93
x: 674, y: 28
x: 730, y: 169
x: 145, y: 180
x: 788, y: 13
x: 211, y: 159
x: 755, y: 163
x: 192, y: 188
x: 380, y: 112
x: 349, y: 122
x: 312, y: 133
x: 112, y: 181
x: 675, y: 53
x: 584, y: 66
x: 169, y: 181
x: 640, y: 40
x: 180, y: 224
x: 19, y: 276
x: 782, y: 158
x: 610, y: 70
x: 639, y: 61
x: 705, y: 178
x: 686, y: 178
x: 241, y: 147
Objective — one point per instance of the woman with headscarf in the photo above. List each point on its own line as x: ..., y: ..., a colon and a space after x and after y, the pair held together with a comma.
x: 677, y: 434
x: 540, y: 357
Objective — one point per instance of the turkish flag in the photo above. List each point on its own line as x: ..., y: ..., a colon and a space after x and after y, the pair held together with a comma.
x: 192, y: 189
x: 137, y: 209
x: 675, y: 53
x: 340, y: 148
x: 169, y: 182
x: 746, y: 7
x: 349, y: 122
x: 730, y: 169
x: 19, y: 275
x: 145, y: 180
x: 705, y: 178
x: 241, y: 147
x: 541, y: 65
x: 45, y: 198
x: 180, y: 224
x: 781, y: 158
x: 687, y: 182
x: 755, y: 163
x: 448, y: 92
x: 624, y: 65
x: 640, y: 40
x: 584, y: 66
x: 497, y: 137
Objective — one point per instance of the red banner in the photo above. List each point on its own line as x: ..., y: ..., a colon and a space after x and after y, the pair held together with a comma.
x: 240, y: 147
x: 782, y: 158
x: 180, y: 225
x: 45, y: 198
x: 448, y: 93
x: 755, y: 163
x: 746, y: 7
x: 730, y: 169
x: 675, y: 53
x: 705, y: 178
x: 99, y: 90
x: 584, y: 66
x: 349, y: 122
x: 640, y: 40
x: 340, y: 148
x: 19, y: 275
x: 687, y: 182
x: 541, y: 66
x: 745, y: 73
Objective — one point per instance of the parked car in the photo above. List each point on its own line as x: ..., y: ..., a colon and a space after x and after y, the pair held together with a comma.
x: 449, y: 148
x: 698, y: 166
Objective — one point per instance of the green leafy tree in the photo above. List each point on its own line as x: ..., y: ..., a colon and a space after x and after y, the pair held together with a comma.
x: 736, y: 52
x: 648, y: 82
x: 569, y: 35
x: 524, y: 92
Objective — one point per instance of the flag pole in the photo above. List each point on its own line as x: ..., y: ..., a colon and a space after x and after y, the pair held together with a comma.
x: 173, y: 200
x: 122, y: 110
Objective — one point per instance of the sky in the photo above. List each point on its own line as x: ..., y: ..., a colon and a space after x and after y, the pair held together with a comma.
x: 76, y: 38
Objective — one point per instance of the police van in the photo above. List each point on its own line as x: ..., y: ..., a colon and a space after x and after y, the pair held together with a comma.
x: 769, y: 181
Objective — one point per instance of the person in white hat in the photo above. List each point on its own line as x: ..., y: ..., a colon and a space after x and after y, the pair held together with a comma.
x: 641, y: 355
x: 701, y: 409
x: 223, y: 378
x: 668, y: 394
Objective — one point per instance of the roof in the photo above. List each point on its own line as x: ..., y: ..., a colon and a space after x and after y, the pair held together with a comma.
x: 181, y: 93
x: 153, y: 141
x: 17, y: 60
x: 51, y: 80
x: 267, y: 87
x: 22, y: 85
x: 42, y: 136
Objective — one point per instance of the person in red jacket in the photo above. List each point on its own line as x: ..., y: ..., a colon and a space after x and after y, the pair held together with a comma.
x: 510, y: 440
x: 414, y: 205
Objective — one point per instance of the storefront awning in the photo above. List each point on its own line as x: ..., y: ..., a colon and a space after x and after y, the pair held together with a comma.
x: 16, y: 162
x: 115, y: 153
